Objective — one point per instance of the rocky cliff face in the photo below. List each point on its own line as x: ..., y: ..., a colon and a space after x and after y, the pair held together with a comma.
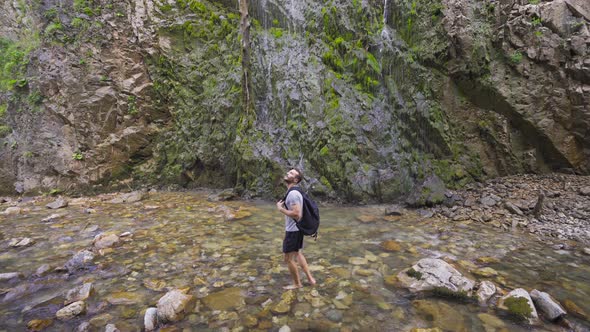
x: 367, y: 97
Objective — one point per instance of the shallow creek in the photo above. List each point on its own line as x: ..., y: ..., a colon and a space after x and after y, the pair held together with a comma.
x: 230, y: 252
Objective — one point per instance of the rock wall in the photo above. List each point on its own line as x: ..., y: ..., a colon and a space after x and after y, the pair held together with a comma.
x: 367, y: 97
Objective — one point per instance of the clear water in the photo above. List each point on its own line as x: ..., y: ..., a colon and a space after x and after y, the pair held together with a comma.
x: 180, y: 240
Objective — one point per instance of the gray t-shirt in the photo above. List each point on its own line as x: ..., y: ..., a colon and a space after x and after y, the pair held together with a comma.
x: 293, y: 198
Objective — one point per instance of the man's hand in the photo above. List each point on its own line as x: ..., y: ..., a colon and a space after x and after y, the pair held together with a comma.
x: 280, y: 204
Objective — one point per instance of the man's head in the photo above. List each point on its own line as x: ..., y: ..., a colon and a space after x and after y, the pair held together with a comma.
x: 293, y: 176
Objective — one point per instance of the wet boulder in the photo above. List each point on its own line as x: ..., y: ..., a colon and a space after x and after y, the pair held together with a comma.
x: 547, y: 305
x: 81, y: 259
x: 80, y: 293
x: 71, y: 311
x: 431, y: 274
x: 172, y: 306
x: 10, y: 276
x: 105, y: 240
x: 485, y: 290
x: 12, y: 210
x: 519, y: 304
x: 57, y: 204
x: 131, y: 197
x: 430, y: 192
x: 111, y: 328
x: 24, y: 242
x: 52, y: 217
x: 150, y: 319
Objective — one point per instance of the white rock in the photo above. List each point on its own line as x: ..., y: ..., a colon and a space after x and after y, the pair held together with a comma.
x: 13, y: 210
x: 111, y: 328
x: 52, y: 217
x: 10, y: 276
x: 16, y: 243
x: 485, y: 291
x: 71, y: 311
x: 435, y: 273
x: 150, y: 320
x: 547, y: 305
x: 57, y: 204
x: 285, y: 328
x: 172, y: 305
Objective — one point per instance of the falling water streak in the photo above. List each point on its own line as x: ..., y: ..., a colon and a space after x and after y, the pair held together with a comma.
x: 385, y: 13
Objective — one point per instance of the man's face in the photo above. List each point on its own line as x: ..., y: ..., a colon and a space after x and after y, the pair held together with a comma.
x: 291, y: 176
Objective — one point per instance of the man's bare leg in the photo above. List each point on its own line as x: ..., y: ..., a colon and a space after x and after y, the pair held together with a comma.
x: 304, y: 267
x: 292, y: 265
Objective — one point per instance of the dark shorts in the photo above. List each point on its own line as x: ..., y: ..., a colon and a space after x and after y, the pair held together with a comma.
x: 293, y: 241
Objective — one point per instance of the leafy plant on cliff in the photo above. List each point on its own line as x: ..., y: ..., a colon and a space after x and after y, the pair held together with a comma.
x: 516, y: 58
x: 14, y: 60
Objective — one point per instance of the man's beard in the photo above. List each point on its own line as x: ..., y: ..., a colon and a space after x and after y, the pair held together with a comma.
x: 287, y: 180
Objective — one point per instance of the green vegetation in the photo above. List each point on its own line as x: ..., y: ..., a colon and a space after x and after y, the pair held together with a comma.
x: 516, y: 58
x: 536, y: 21
x: 414, y: 274
x: 77, y: 155
x: 14, y: 60
x: 200, y: 81
x: 132, y: 105
x: 518, y: 306
x: 276, y: 32
x: 446, y: 293
x: 534, y: 2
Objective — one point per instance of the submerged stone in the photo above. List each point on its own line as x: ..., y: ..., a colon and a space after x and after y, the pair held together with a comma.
x: 39, y: 324
x: 226, y: 299
x: 441, y: 314
x: 391, y: 245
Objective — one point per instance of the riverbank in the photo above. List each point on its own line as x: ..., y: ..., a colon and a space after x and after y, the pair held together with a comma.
x: 552, y: 205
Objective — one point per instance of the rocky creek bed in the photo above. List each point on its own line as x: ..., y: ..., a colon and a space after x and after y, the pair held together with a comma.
x: 174, y: 261
x: 554, y: 205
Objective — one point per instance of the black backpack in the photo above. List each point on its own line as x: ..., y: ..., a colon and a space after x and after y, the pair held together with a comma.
x: 310, y: 214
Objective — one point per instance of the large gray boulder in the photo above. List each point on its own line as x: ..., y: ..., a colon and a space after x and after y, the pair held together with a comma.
x: 430, y: 273
x: 428, y: 193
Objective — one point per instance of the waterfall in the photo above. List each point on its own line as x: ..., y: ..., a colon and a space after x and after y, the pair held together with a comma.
x: 385, y: 13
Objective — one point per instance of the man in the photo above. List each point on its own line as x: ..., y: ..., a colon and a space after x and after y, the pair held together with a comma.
x: 293, y: 242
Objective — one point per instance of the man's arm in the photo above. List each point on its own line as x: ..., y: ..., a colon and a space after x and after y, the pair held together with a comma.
x: 294, y: 213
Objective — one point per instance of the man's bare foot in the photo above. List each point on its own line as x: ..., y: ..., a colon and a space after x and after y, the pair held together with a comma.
x: 289, y: 287
x: 312, y: 281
